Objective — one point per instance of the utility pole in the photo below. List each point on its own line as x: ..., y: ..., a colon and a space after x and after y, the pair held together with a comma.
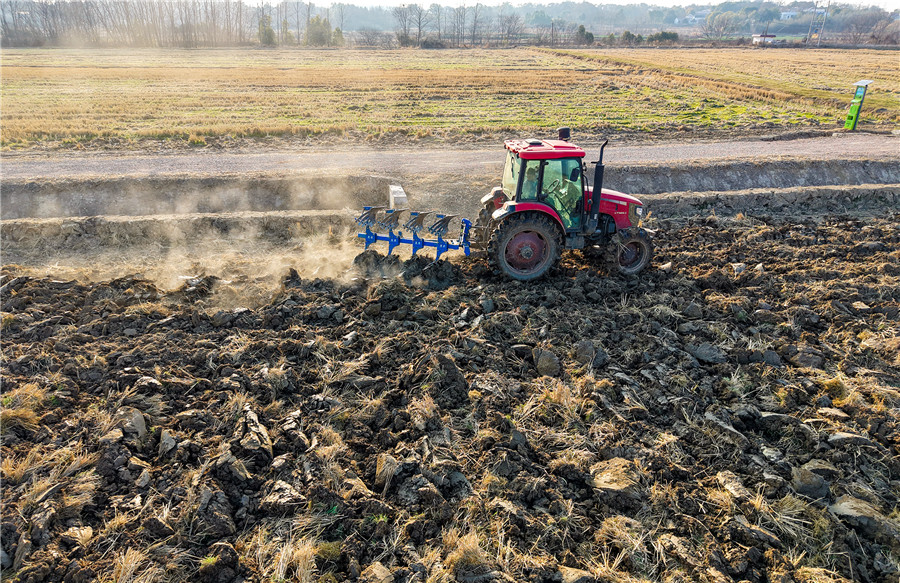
x: 817, y: 23
x: 824, y: 20
x: 812, y: 20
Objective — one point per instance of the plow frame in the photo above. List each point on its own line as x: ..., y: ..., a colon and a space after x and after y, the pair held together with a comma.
x: 394, y: 236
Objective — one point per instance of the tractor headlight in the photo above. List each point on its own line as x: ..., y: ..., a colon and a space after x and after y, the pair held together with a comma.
x: 635, y: 213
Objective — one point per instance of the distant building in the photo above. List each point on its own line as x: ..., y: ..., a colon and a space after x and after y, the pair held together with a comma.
x: 699, y: 16
x: 759, y: 39
x: 789, y: 15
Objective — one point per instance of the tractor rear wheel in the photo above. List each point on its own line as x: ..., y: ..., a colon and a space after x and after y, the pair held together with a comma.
x: 525, y: 247
x: 634, y: 251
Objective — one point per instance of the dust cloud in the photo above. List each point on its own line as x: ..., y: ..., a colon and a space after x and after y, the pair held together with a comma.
x: 180, y: 194
x: 247, y: 271
x: 243, y: 234
x: 270, y: 227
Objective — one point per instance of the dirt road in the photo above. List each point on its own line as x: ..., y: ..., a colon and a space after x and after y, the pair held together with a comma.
x: 403, y: 161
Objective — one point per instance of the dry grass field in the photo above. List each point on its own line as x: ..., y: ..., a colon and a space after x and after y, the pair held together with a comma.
x: 72, y: 98
x: 753, y: 74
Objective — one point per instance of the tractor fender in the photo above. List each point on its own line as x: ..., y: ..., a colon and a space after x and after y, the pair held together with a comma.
x: 510, y: 208
x: 496, y: 198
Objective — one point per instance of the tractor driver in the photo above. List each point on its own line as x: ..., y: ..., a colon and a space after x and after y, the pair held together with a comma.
x: 529, y: 187
x: 571, y: 195
x: 562, y: 193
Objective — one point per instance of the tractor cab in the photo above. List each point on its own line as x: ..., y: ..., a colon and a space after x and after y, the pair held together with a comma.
x: 547, y: 173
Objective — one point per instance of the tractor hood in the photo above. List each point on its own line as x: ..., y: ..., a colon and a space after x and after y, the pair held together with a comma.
x: 618, y: 197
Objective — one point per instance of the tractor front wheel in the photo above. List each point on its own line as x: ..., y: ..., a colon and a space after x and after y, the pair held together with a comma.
x: 525, y: 247
x: 634, y: 251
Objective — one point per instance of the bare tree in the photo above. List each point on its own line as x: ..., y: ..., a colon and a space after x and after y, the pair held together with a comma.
x: 49, y: 20
x: 476, y: 11
x: 566, y: 32
x: 459, y: 24
x: 436, y: 18
x: 212, y: 17
x: 448, y: 23
x: 368, y: 37
x: 500, y: 19
x: 511, y: 27
x: 241, y: 22
x: 276, y: 23
x: 307, y: 9
x: 861, y: 25
x: 156, y: 19
x: 186, y: 18
x: 340, y: 11
x: 403, y: 22
x: 11, y: 22
x: 886, y: 31
x: 419, y: 18
x: 719, y: 25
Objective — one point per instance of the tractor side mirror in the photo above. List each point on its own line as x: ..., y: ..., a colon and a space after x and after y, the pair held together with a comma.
x: 573, y: 176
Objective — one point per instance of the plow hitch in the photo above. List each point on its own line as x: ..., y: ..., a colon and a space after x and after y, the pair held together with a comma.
x: 387, y: 228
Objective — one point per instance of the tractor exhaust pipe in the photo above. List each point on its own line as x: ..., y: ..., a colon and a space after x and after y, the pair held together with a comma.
x: 594, y: 216
x: 564, y: 134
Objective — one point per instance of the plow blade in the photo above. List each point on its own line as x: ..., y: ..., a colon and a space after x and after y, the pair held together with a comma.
x: 387, y: 228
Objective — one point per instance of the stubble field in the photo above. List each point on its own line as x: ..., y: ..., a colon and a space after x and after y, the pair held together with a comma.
x: 78, y: 98
x: 712, y: 421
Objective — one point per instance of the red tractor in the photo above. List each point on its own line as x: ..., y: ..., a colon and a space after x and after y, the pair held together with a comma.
x: 545, y: 204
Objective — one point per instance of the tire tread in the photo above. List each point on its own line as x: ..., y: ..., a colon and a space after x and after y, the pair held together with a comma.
x: 518, y: 220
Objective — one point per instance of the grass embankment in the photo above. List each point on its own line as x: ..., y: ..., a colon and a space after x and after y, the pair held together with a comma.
x: 89, y: 97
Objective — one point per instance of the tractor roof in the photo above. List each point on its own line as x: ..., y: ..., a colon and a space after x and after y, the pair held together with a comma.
x: 543, y: 149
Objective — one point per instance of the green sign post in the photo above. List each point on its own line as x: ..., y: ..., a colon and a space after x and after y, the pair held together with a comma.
x: 856, y: 104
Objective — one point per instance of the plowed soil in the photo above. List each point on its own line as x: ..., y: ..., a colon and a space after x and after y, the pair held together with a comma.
x: 731, y: 414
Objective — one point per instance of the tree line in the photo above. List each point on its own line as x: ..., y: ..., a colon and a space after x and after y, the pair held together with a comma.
x: 225, y: 23
x: 440, y: 26
x: 853, y: 24
x: 168, y: 23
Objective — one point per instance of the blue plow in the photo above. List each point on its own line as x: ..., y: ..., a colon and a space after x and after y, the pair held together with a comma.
x: 390, y: 222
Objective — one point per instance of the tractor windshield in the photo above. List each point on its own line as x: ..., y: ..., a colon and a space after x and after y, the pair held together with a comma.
x: 562, y: 187
x: 511, y: 175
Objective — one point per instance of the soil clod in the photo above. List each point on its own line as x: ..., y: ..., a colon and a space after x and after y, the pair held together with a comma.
x: 422, y: 420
